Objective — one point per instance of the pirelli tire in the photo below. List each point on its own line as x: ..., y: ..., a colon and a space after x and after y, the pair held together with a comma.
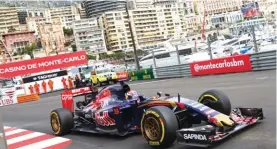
x: 216, y: 100
x: 61, y: 121
x: 162, y: 133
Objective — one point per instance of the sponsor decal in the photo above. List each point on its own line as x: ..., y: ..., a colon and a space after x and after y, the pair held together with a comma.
x: 67, y: 100
x: 80, y: 91
x: 152, y: 112
x: 239, y: 63
x: 195, y: 137
x: 104, y: 119
x: 67, y: 97
x: 154, y: 143
x: 26, y: 67
x: 44, y: 76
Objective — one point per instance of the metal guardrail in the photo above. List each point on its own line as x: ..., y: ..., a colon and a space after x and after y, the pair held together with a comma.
x: 260, y: 61
x: 174, y: 71
x: 263, y: 60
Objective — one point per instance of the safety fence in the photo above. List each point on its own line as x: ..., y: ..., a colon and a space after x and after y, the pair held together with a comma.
x: 259, y: 61
x: 263, y: 60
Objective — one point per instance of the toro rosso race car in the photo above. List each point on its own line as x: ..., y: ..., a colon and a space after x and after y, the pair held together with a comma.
x: 118, y: 110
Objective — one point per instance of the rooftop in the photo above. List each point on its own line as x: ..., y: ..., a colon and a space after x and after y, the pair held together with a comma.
x: 20, y: 32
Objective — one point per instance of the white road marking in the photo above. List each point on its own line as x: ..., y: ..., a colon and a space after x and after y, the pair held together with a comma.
x: 149, y: 82
x: 261, y: 78
x: 6, y: 127
x: 45, y: 143
x: 24, y: 137
x: 14, y: 132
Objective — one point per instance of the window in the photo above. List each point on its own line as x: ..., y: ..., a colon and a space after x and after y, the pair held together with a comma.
x: 162, y: 56
x: 230, y: 42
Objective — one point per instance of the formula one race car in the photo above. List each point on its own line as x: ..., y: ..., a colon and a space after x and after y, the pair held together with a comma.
x: 118, y: 110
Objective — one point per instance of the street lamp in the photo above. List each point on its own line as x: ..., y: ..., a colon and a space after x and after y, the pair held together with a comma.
x: 132, y: 36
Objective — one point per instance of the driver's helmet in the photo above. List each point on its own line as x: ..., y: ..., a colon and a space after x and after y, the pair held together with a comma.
x: 132, y: 95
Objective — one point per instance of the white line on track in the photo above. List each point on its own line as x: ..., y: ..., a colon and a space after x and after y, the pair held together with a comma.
x: 45, y: 143
x: 14, y: 132
x: 25, y: 137
x: 261, y: 78
x: 149, y: 82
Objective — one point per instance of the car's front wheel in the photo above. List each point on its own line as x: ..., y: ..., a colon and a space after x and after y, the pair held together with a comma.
x: 61, y: 121
x: 216, y: 100
x: 158, y: 126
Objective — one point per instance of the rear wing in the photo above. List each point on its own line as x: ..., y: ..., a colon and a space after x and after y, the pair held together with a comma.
x: 67, y: 96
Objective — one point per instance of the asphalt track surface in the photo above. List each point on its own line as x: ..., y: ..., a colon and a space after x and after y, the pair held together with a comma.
x: 253, y: 89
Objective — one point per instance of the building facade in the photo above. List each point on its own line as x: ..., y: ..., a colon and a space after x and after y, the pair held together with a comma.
x: 226, y: 19
x: 95, y: 8
x: 22, y: 15
x: 152, y: 26
x: 142, y: 4
x: 8, y: 18
x: 81, y: 10
x: 89, y: 36
x: 16, y: 41
x: 33, y: 22
x: 213, y: 7
x: 51, y: 36
x: 67, y: 15
x: 117, y: 31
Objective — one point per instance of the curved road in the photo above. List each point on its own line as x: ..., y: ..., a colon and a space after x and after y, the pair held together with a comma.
x: 253, y: 89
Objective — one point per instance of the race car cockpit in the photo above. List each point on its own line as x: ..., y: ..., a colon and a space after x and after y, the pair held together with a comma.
x: 117, y: 91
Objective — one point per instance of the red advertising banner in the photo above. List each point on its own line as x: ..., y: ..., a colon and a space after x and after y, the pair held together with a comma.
x: 239, y: 63
x: 122, y: 76
x: 20, y: 68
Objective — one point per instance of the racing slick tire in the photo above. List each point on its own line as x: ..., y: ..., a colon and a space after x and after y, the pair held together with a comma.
x: 61, y: 121
x: 159, y: 125
x: 216, y: 100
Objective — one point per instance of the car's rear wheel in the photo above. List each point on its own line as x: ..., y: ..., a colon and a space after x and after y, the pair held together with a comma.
x: 216, y: 100
x: 61, y: 121
x: 159, y: 125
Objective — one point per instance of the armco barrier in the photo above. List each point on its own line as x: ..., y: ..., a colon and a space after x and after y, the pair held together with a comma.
x: 182, y: 70
x: 259, y: 61
x: 263, y: 60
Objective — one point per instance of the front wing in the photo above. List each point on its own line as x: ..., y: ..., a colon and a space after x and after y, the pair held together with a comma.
x: 207, y: 135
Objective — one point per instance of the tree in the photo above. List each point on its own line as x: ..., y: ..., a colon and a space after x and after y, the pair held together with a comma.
x: 91, y: 57
x: 74, y: 48
x: 67, y: 44
x: 29, y: 50
x: 68, y: 32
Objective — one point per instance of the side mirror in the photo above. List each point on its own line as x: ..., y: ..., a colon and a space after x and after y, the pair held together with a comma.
x: 167, y: 95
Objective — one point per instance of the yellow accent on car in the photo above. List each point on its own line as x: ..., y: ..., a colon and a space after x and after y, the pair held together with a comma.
x: 162, y: 123
x: 58, y: 121
x: 223, y: 119
x: 207, y: 95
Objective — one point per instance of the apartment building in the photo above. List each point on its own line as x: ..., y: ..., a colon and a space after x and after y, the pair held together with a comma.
x: 8, y: 18
x: 16, y: 41
x: 67, y: 14
x: 22, y: 15
x: 117, y: 31
x: 34, y: 22
x: 81, y: 10
x: 95, y: 8
x: 89, y: 36
x: 37, y: 12
x: 226, y: 19
x: 151, y: 26
x: 141, y: 4
x: 213, y: 7
x: 51, y: 36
